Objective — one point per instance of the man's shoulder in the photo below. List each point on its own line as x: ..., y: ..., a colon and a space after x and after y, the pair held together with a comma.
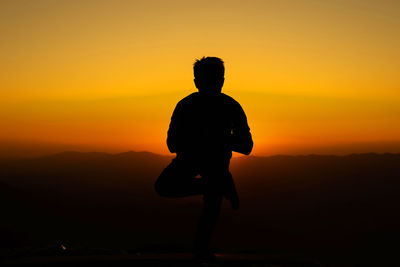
x: 195, y: 97
x: 189, y: 98
x: 230, y: 100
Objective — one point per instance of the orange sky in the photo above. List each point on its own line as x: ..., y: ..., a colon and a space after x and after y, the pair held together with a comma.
x: 313, y: 76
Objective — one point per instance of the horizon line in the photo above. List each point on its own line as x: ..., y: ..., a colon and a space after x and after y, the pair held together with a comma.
x: 173, y: 155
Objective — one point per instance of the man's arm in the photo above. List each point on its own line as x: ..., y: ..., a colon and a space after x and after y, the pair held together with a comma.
x: 173, y: 130
x: 242, y: 141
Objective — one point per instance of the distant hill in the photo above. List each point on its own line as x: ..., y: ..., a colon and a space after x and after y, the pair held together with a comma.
x: 312, y: 203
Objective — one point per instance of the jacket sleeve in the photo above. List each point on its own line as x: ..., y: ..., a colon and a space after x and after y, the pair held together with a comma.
x: 173, y: 130
x: 242, y: 141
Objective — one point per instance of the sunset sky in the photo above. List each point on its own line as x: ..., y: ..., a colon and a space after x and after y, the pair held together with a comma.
x: 313, y: 76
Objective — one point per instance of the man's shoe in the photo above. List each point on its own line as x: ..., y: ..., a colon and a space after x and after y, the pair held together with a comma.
x: 204, y: 256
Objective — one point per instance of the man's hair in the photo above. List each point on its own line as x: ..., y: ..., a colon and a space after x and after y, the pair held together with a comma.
x: 208, y: 66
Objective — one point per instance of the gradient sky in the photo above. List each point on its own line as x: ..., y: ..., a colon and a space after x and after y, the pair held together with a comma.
x: 313, y: 76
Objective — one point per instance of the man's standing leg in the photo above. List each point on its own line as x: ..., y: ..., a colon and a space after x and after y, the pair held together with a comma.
x: 208, y: 218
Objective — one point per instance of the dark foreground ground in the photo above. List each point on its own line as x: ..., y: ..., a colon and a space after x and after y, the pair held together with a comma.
x: 164, y: 259
x: 337, y: 210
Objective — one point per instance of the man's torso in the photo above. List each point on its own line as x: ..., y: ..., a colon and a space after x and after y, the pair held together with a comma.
x: 205, y: 125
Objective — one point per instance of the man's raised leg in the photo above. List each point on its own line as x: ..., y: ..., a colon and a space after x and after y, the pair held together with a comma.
x: 178, y: 180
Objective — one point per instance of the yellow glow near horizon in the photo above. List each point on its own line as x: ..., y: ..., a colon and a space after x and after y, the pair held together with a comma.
x: 106, y: 75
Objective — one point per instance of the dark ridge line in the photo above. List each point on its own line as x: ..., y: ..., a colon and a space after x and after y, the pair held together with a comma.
x: 143, y: 152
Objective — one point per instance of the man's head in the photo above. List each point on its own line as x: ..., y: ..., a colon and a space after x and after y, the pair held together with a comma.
x: 209, y: 75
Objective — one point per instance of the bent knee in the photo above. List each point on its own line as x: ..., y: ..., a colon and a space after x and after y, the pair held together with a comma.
x: 162, y: 189
x: 159, y: 188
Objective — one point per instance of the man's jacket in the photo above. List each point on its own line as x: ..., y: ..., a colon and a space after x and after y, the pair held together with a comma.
x: 209, y: 127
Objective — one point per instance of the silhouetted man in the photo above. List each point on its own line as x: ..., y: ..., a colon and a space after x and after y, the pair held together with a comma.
x: 205, y: 128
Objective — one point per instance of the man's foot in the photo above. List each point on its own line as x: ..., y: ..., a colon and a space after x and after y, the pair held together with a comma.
x: 230, y: 193
x: 204, y: 256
